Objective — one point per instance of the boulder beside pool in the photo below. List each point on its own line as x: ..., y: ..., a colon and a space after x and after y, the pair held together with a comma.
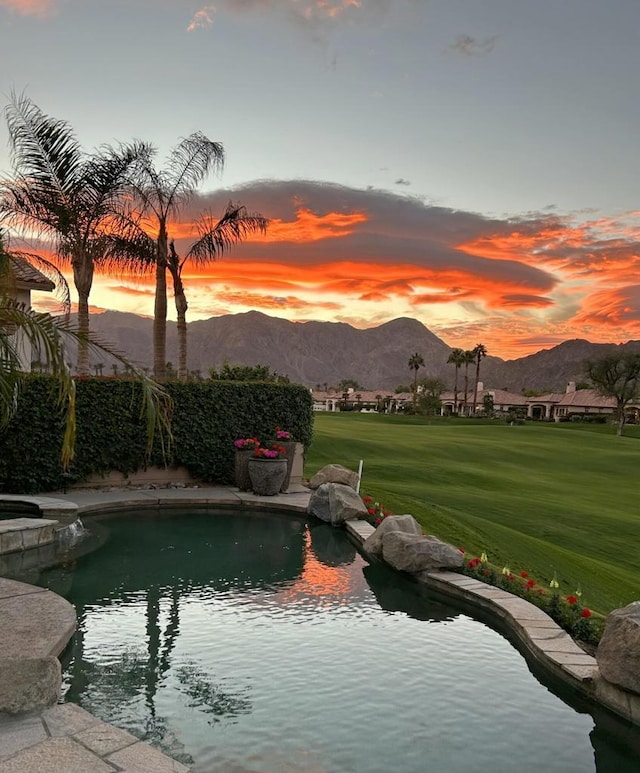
x: 335, y: 473
x: 336, y: 503
x: 618, y: 653
x: 404, y: 523
x: 413, y: 553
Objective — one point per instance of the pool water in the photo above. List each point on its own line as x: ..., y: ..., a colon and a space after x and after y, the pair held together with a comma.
x: 262, y: 643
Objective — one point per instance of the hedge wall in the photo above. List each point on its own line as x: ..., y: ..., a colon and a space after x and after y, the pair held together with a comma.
x: 111, y: 435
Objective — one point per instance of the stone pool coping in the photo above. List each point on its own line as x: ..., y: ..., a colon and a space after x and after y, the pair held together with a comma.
x: 26, y: 741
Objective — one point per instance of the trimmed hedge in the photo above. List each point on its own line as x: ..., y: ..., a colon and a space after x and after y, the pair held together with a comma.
x: 111, y: 434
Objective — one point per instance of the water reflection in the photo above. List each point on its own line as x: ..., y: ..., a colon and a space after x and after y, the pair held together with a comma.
x: 329, y: 545
x: 160, y: 595
x: 395, y: 593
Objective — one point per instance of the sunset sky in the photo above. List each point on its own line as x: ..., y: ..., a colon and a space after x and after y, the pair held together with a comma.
x: 473, y: 164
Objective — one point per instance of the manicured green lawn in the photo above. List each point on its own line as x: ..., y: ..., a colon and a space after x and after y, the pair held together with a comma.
x: 540, y: 497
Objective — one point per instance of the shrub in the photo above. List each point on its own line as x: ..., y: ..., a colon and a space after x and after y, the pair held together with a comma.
x: 111, y: 433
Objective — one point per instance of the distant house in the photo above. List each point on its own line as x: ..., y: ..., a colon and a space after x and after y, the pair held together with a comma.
x: 572, y: 402
x: 503, y: 401
x: 555, y: 406
x: 25, y: 279
x: 365, y: 401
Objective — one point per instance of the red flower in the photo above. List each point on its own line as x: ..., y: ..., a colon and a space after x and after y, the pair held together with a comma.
x: 377, y: 522
x: 371, y: 510
x: 524, y: 574
x: 586, y: 612
x: 510, y: 576
x: 530, y: 584
x: 540, y: 590
x: 386, y: 512
x: 486, y: 571
x: 572, y: 599
x: 367, y: 499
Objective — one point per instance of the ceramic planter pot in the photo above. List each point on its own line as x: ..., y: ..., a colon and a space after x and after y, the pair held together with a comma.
x: 290, y: 448
x: 241, y: 468
x: 267, y: 475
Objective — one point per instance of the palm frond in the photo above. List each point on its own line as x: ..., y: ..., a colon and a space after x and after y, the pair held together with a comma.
x: 43, y: 334
x: 106, y: 178
x: 188, y: 164
x: 44, y: 149
x: 217, y: 237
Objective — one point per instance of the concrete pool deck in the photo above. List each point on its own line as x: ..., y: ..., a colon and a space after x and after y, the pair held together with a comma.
x: 67, y: 739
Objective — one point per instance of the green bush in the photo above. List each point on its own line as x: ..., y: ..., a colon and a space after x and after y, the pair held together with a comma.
x: 111, y: 434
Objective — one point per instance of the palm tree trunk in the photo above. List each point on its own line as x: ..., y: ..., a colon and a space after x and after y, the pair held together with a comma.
x: 466, y: 386
x: 160, y: 307
x: 181, y: 309
x: 83, y: 279
x: 455, y: 391
x: 415, y: 390
x: 475, y: 388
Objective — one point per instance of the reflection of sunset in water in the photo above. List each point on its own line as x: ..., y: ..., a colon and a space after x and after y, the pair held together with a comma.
x: 329, y: 584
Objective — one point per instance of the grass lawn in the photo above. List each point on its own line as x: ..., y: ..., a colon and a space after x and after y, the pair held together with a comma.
x: 544, y: 498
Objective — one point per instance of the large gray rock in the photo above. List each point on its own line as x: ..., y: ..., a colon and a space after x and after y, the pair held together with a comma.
x: 336, y: 503
x: 404, y: 523
x: 413, y: 553
x: 29, y: 683
x: 618, y: 653
x: 334, y: 473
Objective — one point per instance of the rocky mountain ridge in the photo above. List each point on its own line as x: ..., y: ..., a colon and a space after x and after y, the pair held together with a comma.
x: 319, y: 353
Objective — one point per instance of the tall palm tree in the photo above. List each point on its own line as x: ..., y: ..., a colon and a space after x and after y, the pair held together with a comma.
x: 468, y: 357
x: 161, y: 195
x: 456, y: 358
x: 215, y: 238
x: 63, y: 194
x: 416, y: 361
x: 479, y: 351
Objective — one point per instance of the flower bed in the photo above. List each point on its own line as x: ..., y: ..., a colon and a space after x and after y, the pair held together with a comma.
x: 566, y: 609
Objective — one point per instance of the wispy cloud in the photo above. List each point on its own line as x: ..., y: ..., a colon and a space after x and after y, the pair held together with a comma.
x: 315, y: 15
x: 29, y: 7
x: 468, y: 45
x: 202, y: 18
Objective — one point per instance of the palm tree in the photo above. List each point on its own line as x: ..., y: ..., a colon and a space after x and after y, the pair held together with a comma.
x: 63, y: 194
x: 456, y: 358
x: 215, y: 238
x: 416, y: 361
x: 479, y: 351
x: 468, y: 357
x: 160, y: 195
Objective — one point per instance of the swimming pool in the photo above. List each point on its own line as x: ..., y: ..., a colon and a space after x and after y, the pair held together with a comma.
x: 263, y: 642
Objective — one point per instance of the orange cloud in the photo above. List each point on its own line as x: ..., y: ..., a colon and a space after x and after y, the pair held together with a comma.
x: 261, y: 301
x: 366, y: 257
x: 619, y: 307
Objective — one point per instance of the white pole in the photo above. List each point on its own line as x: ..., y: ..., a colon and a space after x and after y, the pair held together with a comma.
x: 359, y: 476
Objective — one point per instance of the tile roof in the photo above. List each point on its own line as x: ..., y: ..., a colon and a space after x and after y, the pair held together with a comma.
x: 29, y: 278
x: 587, y: 398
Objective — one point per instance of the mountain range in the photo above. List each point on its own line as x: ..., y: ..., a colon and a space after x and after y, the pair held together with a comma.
x: 319, y: 353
